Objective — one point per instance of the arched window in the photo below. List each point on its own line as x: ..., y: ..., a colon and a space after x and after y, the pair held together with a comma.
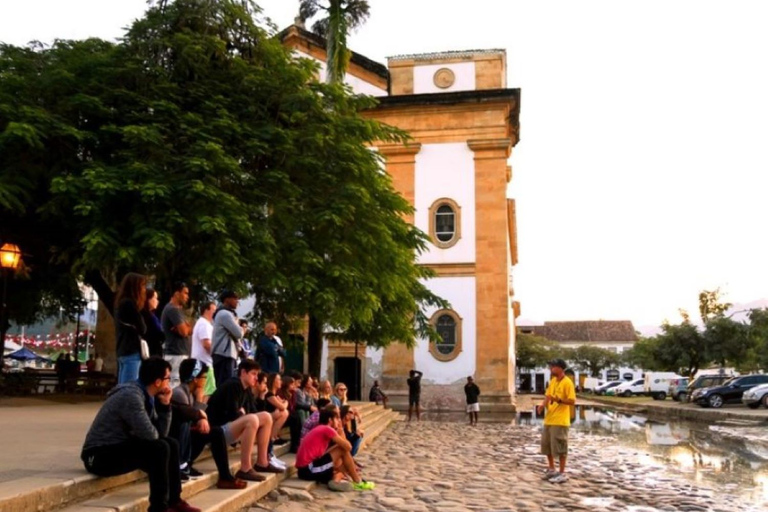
x: 612, y: 375
x: 448, y: 325
x: 444, y: 223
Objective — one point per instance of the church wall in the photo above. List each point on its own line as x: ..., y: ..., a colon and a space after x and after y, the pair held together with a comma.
x: 460, y: 292
x: 424, y: 81
x: 358, y: 85
x: 446, y: 171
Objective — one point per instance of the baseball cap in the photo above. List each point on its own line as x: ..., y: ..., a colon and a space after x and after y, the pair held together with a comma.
x: 558, y: 362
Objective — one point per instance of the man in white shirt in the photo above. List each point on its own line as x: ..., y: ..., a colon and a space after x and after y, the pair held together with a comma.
x: 202, y: 335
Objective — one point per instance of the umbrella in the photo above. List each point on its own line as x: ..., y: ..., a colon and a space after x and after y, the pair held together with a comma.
x: 23, y: 354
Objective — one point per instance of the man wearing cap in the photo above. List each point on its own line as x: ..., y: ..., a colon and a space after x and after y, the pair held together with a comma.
x: 561, y: 394
x: 226, y: 334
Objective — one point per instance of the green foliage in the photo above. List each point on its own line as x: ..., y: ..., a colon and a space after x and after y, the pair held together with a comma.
x: 533, y: 351
x: 198, y: 149
x: 591, y: 359
x: 341, y: 16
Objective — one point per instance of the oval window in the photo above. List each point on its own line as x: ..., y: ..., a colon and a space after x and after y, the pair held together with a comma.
x: 446, y: 328
x: 445, y: 223
x: 612, y: 375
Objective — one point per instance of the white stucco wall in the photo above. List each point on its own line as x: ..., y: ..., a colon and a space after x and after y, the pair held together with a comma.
x: 461, y: 293
x: 358, y: 85
x: 446, y: 170
x: 424, y: 82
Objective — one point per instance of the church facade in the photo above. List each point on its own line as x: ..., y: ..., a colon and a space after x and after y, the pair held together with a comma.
x: 464, y: 122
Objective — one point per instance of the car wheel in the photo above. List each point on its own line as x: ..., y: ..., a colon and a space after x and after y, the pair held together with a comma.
x: 627, y: 393
x: 715, y: 401
x: 765, y: 401
x: 682, y: 397
x: 660, y: 396
x: 754, y: 405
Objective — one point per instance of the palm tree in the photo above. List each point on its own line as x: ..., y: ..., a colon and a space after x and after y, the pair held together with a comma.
x: 341, y: 17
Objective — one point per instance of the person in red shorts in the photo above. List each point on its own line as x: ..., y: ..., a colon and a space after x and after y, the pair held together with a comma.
x: 320, y: 461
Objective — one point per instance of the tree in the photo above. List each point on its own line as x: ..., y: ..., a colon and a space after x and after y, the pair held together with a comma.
x: 710, y: 306
x: 198, y: 149
x: 592, y: 359
x: 533, y: 351
x: 341, y: 16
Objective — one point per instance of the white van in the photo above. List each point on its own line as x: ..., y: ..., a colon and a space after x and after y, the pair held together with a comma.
x: 591, y: 383
x: 656, y: 384
x: 629, y: 388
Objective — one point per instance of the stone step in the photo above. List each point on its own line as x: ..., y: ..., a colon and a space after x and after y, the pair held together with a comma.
x: 52, y: 492
x: 202, y: 492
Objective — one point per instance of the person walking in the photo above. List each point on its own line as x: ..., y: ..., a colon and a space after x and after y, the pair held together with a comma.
x: 473, y: 404
x: 129, y: 326
x: 561, y: 394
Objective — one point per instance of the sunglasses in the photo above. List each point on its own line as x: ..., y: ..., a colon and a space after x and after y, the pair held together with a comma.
x: 342, y: 389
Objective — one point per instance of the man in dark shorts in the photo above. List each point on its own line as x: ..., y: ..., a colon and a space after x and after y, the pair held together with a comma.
x: 414, y: 394
x: 320, y: 461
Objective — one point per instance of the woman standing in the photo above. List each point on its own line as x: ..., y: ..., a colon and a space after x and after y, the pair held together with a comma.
x: 129, y: 326
x: 154, y: 334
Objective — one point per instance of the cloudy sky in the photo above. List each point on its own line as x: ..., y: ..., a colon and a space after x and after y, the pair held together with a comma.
x: 640, y: 176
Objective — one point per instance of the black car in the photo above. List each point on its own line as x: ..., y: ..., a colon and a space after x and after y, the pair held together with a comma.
x: 729, y: 391
x: 705, y: 381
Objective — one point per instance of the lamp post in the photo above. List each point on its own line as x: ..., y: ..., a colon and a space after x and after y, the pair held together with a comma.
x: 10, y: 257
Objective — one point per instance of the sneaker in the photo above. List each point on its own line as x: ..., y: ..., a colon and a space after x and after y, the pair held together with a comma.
x: 277, y: 462
x: 269, y: 468
x: 550, y: 473
x: 340, y: 486
x: 363, y: 486
x: 193, y: 473
x: 183, y: 506
x: 251, y: 475
x: 235, y: 484
x: 559, y: 478
x: 184, y: 476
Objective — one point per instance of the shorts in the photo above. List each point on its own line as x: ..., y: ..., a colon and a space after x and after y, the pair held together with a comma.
x: 319, y: 470
x: 413, y: 400
x: 554, y: 440
x: 229, y: 437
x: 475, y: 407
x: 210, y: 382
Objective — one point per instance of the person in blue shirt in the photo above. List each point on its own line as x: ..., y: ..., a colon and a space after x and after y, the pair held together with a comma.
x: 269, y: 351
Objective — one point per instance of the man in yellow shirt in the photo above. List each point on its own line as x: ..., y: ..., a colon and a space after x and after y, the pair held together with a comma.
x: 561, y: 394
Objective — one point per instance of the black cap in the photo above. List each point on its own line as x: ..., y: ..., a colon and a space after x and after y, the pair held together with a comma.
x: 558, y: 362
x: 228, y: 294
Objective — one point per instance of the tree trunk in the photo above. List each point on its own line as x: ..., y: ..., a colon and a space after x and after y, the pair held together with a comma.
x: 315, y: 345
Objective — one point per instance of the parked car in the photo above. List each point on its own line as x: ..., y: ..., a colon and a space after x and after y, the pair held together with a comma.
x: 705, y: 381
x: 730, y: 391
x: 678, y: 389
x: 602, y: 388
x: 628, y: 388
x: 756, y: 396
x: 656, y: 384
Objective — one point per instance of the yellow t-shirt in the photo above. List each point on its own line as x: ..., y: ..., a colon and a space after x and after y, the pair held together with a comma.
x: 560, y: 414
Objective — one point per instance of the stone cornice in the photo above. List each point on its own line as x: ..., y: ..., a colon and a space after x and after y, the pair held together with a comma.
x: 400, y: 152
x: 490, y: 148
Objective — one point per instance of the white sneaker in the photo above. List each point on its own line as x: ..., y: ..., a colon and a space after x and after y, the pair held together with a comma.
x: 559, y: 478
x: 277, y: 462
x: 550, y: 473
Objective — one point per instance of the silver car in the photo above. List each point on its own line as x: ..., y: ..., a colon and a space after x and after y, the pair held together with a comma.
x: 756, y: 396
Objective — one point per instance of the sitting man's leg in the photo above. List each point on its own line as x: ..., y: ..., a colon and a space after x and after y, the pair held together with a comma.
x: 244, y: 429
x: 218, y: 444
x: 263, y: 443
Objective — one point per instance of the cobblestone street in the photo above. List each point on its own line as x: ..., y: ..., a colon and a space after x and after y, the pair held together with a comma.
x: 432, y: 466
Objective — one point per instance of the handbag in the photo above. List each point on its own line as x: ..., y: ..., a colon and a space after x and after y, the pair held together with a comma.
x: 144, y: 348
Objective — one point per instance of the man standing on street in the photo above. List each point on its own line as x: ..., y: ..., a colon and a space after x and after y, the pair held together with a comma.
x: 561, y: 394
x: 414, y: 394
x: 202, y: 344
x: 473, y: 405
x: 177, y: 331
x: 268, y: 351
x: 226, y: 336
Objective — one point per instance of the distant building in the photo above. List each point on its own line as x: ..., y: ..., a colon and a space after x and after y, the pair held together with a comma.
x: 614, y: 335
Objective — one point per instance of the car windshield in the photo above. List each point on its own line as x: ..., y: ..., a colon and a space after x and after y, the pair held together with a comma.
x: 728, y: 382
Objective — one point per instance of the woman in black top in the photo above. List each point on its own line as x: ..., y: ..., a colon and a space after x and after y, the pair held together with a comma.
x: 129, y: 326
x: 154, y: 335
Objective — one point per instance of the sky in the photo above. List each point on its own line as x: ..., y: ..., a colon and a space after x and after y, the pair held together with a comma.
x: 640, y: 176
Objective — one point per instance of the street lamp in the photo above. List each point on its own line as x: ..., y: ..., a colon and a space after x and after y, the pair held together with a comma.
x: 10, y: 257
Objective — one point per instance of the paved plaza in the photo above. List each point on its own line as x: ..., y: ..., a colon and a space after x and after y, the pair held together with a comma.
x: 433, y: 466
